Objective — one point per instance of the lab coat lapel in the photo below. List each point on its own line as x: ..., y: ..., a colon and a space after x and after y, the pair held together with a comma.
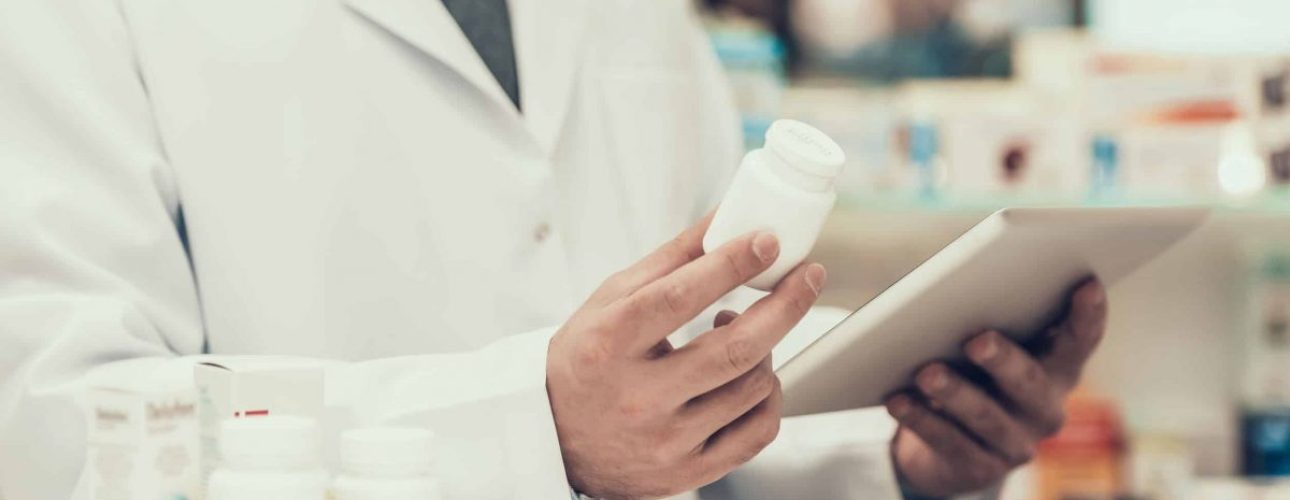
x: 550, y: 39
x: 428, y: 26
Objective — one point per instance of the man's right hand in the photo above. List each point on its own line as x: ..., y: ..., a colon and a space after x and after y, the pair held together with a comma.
x: 638, y: 419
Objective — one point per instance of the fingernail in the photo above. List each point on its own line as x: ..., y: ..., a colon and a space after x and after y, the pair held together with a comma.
x: 983, y: 349
x: 766, y: 247
x: 816, y: 276
x: 898, y: 407
x: 932, y: 379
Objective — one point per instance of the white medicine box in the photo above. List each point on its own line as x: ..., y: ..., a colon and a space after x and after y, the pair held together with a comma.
x: 252, y: 386
x: 142, y: 435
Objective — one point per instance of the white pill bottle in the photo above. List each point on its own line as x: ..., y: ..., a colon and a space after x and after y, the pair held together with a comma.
x: 275, y: 457
x: 386, y: 464
x: 785, y: 188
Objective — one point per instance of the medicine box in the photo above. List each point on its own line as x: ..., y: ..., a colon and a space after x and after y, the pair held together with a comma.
x: 252, y: 386
x: 142, y: 435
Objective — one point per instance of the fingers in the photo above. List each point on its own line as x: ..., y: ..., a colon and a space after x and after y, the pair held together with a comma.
x: 678, y: 252
x: 711, y: 412
x: 661, y: 307
x: 747, y: 436
x: 946, y: 439
x: 1021, y: 379
x: 725, y: 353
x: 1075, y: 339
x: 979, y: 414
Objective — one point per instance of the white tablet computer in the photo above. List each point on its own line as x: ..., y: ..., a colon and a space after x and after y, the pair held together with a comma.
x: 1013, y: 273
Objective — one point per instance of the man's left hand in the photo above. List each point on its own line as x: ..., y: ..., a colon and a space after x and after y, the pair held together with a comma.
x: 958, y: 437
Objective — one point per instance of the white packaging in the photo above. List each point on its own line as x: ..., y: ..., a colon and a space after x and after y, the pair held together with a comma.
x: 271, y: 457
x: 142, y: 435
x: 991, y: 138
x: 254, y: 386
x: 386, y: 464
x: 785, y: 188
x: 1171, y: 161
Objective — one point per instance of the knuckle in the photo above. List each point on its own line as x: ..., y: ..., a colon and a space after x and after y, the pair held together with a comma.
x: 680, y: 245
x: 771, y: 431
x: 761, y: 382
x: 799, y: 303
x: 633, y: 407
x: 733, y: 268
x: 745, y: 456
x: 675, y: 297
x: 754, y: 449
x: 764, y: 430
x: 615, y: 282
x: 667, y: 451
x: 740, y: 354
x: 661, y: 456
x: 1034, y: 376
x: 988, y: 422
x: 591, y: 353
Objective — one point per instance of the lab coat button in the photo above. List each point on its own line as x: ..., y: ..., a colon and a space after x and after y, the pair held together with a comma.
x: 542, y: 232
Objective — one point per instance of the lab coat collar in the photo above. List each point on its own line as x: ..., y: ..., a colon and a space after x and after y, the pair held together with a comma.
x: 550, y: 45
x: 548, y: 34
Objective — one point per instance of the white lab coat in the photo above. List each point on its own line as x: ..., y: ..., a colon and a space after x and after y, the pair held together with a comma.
x: 355, y: 185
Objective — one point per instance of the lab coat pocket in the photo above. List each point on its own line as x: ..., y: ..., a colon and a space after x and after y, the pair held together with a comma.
x: 655, y: 148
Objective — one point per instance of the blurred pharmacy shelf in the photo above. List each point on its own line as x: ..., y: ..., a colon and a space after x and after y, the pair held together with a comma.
x: 1145, y: 125
x: 1272, y: 205
x: 889, y: 221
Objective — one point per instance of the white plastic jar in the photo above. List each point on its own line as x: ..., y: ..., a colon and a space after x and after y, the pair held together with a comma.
x: 785, y: 188
x: 273, y: 457
x: 386, y: 464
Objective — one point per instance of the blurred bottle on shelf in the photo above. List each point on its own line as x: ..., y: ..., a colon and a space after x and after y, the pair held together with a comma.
x: 925, y: 158
x: 1279, y: 167
x: 1266, y: 419
x: 1106, y: 167
x: 1266, y: 442
x: 1087, y: 459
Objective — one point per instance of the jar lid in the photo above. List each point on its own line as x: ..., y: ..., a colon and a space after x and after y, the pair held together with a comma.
x: 269, y: 442
x: 806, y: 148
x: 387, y: 452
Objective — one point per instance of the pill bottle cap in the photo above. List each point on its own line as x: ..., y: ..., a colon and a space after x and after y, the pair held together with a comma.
x: 387, y: 452
x: 269, y: 443
x: 805, y: 148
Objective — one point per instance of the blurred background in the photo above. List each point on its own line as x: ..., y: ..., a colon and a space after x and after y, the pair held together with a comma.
x: 950, y: 109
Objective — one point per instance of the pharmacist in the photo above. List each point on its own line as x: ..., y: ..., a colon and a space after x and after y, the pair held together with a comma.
x: 351, y: 179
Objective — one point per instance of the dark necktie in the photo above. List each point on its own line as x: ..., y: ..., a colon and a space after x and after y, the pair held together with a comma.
x: 487, y: 24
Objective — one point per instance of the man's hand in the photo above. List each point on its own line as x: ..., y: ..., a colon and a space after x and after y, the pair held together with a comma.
x: 957, y: 437
x: 638, y: 419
